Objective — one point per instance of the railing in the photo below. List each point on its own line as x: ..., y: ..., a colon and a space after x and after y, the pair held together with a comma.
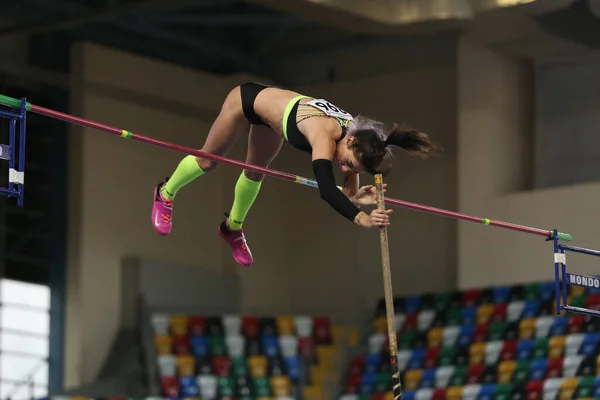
x: 28, y: 381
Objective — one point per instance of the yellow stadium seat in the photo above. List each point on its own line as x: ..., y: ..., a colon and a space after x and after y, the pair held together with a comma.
x: 435, y: 336
x: 477, y: 353
x: 258, y: 365
x: 380, y: 325
x: 567, y: 388
x: 556, y: 346
x: 484, y: 312
x: 412, y: 379
x: 281, y: 386
x: 179, y: 324
x: 575, y: 291
x: 527, y: 328
x: 317, y: 374
x: 313, y: 392
x: 506, y: 369
x: 186, y: 365
x: 454, y: 393
x: 163, y: 344
x: 285, y: 326
x: 389, y: 396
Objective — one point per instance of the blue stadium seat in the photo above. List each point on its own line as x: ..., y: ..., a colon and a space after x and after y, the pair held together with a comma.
x: 416, y: 359
x: 428, y: 378
x: 501, y: 294
x: 412, y: 304
x: 524, y: 349
x: 200, y: 348
x: 546, y: 291
x: 559, y: 326
x: 537, y: 369
x: 469, y: 315
x: 531, y: 309
x: 293, y: 365
x: 465, y: 335
x: 590, y: 344
x: 188, y: 386
x: 270, y: 345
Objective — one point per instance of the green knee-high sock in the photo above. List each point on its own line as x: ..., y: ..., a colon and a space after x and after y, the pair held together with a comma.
x: 246, y: 191
x: 186, y: 172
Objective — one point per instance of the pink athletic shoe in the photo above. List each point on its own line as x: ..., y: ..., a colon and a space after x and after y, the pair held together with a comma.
x: 237, y: 241
x: 162, y: 212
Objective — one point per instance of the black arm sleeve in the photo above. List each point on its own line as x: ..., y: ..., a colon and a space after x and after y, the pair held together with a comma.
x: 323, y: 170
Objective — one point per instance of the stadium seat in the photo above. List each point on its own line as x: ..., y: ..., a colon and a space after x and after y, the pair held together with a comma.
x: 524, y: 349
x: 204, y: 366
x: 573, y: 343
x: 497, y: 330
x: 425, y: 319
x: 270, y: 346
x: 585, y: 387
x: 199, y: 346
x: 170, y: 386
x: 285, y: 325
x: 232, y: 325
x: 239, y: 366
x: 474, y: 373
x: 470, y: 298
x: 179, y: 325
x: 261, y: 386
x: 431, y: 357
x: 221, y: 365
x: 160, y: 323
x: 540, y: 347
x: 551, y: 387
x: 181, y: 345
x: 542, y: 326
x: 188, y: 386
x: 538, y: 369
x: 506, y: 370
x: 214, y: 327
x: 515, y: 310
x: 469, y: 315
x: 236, y: 345
x: 217, y: 345
x: 186, y: 365
x: 196, y: 325
x: 257, y: 365
x: 568, y: 388
x: 250, y: 327
x: 376, y: 341
x: 571, y: 365
x: 288, y: 346
x: 435, y: 337
x: 226, y: 386
x: 477, y: 353
x: 412, y: 304
x: 559, y: 326
x: 455, y: 392
x: 268, y: 327
x: 554, y: 368
x: 481, y: 333
x: 293, y: 366
x: 590, y: 342
x: 163, y: 345
x: 535, y: 389
x: 499, y: 313
x: 304, y: 326
x: 575, y: 324
x: 465, y: 335
x: 556, y: 346
x: 527, y: 328
x: 253, y: 347
x: 280, y: 386
x: 322, y: 334
x: 412, y: 379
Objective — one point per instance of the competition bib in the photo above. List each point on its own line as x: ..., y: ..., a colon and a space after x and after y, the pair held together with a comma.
x: 330, y: 109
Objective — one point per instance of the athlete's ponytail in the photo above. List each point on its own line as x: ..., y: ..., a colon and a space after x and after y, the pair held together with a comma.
x: 413, y: 141
x: 371, y: 144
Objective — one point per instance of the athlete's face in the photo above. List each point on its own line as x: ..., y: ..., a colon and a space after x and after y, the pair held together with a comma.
x: 345, y: 157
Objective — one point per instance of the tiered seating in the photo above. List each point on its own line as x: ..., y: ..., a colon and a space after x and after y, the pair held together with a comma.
x: 235, y: 357
x: 497, y: 343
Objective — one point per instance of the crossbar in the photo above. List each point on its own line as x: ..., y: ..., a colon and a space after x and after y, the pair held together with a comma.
x: 12, y: 102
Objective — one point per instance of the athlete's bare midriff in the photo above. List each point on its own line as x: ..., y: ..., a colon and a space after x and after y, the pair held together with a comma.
x: 270, y: 105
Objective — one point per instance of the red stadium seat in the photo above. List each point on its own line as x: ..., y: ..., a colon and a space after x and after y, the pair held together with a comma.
x: 357, y: 364
x: 535, y: 390
x: 410, y: 322
x: 170, y: 386
x: 251, y: 327
x: 221, y: 366
x: 575, y: 323
x: 474, y: 373
x: 508, y: 350
x: 554, y: 369
x: 593, y: 301
x: 481, y: 333
x: 322, y: 330
x: 196, y: 325
x: 470, y: 297
x: 181, y: 344
x: 431, y: 357
x: 499, y: 313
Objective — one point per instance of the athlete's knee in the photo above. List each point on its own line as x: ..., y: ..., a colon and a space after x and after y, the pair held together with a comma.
x: 254, y: 176
x: 206, y: 165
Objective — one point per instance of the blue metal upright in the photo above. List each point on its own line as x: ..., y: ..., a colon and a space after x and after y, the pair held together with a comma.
x: 16, y: 165
x: 563, y: 278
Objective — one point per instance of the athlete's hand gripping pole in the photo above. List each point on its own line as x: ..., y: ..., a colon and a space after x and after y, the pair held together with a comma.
x: 389, y: 295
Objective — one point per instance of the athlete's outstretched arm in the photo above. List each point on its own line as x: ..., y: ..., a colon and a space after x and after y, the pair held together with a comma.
x: 322, y: 156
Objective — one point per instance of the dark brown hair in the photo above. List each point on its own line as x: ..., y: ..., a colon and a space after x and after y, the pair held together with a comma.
x: 374, y: 153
